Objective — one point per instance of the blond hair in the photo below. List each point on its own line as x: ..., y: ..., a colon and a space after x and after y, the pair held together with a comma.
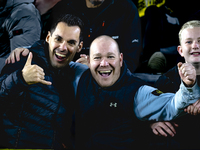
x: 189, y: 24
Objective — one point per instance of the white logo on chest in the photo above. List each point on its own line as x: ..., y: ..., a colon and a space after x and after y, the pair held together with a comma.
x: 113, y: 104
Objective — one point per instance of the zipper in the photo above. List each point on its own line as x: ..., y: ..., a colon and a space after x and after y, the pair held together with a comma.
x: 18, y: 136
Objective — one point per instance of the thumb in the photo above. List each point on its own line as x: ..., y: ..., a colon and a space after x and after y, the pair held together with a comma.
x: 29, y: 59
x: 179, y: 65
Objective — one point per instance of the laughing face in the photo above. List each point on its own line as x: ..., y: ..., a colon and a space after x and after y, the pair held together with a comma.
x: 190, y: 45
x: 63, y: 44
x: 105, y: 61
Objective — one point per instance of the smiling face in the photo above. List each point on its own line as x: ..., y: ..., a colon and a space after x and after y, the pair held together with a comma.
x: 63, y: 44
x: 105, y: 61
x: 190, y: 45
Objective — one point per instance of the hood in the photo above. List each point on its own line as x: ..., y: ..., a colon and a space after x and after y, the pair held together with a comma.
x: 10, y: 4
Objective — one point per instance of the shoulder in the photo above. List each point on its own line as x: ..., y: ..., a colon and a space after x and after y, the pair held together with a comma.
x: 77, y: 67
x: 169, y: 81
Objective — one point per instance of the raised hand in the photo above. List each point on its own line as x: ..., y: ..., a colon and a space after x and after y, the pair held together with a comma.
x: 187, y: 73
x: 33, y: 74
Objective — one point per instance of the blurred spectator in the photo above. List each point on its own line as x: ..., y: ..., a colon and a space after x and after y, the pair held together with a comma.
x: 160, y: 40
x: 19, y: 25
x: 45, y: 5
x: 45, y: 9
x: 104, y: 17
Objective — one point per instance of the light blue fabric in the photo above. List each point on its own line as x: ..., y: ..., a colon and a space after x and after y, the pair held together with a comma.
x: 78, y: 70
x: 166, y: 106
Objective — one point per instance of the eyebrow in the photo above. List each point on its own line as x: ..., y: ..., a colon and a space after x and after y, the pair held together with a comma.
x: 58, y: 36
x: 72, y: 40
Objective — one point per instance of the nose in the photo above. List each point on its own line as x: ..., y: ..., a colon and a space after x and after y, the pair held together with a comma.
x: 63, y: 46
x: 195, y: 45
x: 104, y: 63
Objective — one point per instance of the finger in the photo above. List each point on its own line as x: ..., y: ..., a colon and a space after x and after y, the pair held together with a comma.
x: 7, y: 61
x: 17, y: 53
x: 25, y: 52
x: 161, y: 132
x: 175, y: 124
x: 195, y: 110
x: 12, y: 57
x: 79, y: 60
x: 179, y: 64
x: 188, y: 109
x: 185, y: 110
x: 45, y: 82
x: 192, y: 110
x: 155, y: 132
x: 29, y: 59
x: 170, y: 130
x: 196, y: 103
x: 38, y: 69
x: 83, y: 55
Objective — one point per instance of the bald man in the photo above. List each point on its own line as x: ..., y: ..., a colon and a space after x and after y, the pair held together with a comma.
x: 111, y: 101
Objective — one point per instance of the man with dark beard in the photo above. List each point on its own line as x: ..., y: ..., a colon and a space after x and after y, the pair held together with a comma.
x: 37, y: 93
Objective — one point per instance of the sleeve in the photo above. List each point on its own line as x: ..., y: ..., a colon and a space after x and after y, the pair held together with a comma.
x: 77, y: 70
x: 152, y: 104
x: 11, y: 81
x: 24, y: 26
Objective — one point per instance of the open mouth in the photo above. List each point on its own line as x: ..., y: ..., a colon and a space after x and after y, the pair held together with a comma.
x: 105, y: 73
x: 60, y: 56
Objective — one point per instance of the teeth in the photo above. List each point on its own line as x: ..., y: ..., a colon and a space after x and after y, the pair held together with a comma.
x: 105, y: 71
x: 195, y: 53
x: 61, y: 55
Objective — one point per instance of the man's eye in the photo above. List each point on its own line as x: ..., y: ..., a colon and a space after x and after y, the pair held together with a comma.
x: 71, y: 42
x: 110, y: 56
x: 96, y: 58
x: 58, y: 39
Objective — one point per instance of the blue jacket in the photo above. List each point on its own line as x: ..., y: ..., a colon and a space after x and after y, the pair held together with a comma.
x: 37, y: 115
x: 108, y: 19
x: 104, y: 116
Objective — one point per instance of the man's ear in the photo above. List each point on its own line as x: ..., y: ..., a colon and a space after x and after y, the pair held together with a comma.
x: 180, y: 51
x: 48, y: 36
x: 88, y: 60
x: 121, y: 59
x: 80, y: 46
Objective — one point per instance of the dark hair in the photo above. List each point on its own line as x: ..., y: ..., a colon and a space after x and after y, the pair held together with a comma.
x: 70, y: 20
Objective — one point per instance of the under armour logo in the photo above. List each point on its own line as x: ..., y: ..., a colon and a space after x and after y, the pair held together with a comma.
x: 111, y: 104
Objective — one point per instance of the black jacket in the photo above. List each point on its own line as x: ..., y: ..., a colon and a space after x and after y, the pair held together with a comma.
x: 188, y: 124
x: 116, y: 18
x: 37, y: 115
x: 104, y: 116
